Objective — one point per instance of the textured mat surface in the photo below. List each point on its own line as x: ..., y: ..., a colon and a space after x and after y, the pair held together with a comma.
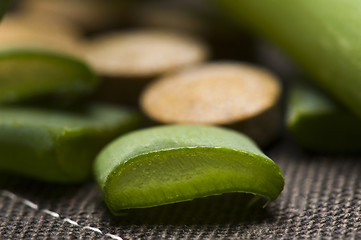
x: 321, y: 199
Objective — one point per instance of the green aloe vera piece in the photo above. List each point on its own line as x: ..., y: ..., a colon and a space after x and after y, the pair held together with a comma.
x: 323, y: 36
x: 30, y: 74
x: 57, y: 145
x: 318, y: 123
x: 175, y: 163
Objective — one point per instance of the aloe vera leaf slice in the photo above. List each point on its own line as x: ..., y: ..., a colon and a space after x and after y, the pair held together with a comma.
x: 28, y: 74
x: 143, y: 53
x: 318, y: 123
x: 174, y: 163
x: 323, y: 36
x: 59, y: 146
x: 224, y: 93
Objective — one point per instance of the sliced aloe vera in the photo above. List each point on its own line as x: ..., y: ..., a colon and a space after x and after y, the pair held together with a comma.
x: 30, y: 74
x: 319, y: 124
x: 55, y: 145
x: 175, y: 163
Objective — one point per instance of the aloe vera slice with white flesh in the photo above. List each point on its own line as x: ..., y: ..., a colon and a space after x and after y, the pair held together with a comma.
x: 27, y: 74
x: 318, y: 123
x: 58, y: 145
x: 175, y: 163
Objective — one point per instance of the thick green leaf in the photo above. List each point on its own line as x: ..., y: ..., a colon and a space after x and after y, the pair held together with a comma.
x: 322, y: 35
x: 32, y: 74
x: 175, y: 163
x: 319, y: 124
x: 55, y: 145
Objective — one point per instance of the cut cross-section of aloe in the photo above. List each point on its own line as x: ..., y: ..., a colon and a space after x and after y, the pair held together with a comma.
x: 232, y: 94
x: 175, y: 163
x: 31, y: 74
x: 55, y: 145
x: 318, y: 123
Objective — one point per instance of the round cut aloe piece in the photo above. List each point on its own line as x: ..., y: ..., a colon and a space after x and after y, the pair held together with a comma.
x: 58, y: 145
x: 30, y: 74
x: 175, y: 163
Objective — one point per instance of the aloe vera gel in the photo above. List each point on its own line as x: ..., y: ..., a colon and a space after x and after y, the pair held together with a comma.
x: 175, y: 163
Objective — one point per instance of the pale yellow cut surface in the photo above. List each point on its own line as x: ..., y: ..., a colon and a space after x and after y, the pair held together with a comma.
x: 31, y: 32
x: 88, y: 14
x: 215, y: 93
x: 143, y: 53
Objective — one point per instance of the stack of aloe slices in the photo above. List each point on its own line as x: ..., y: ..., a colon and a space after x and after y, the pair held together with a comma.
x: 53, y: 143
x: 169, y: 164
x: 146, y: 168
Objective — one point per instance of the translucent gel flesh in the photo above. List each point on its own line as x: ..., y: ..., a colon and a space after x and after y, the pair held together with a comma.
x: 184, y: 174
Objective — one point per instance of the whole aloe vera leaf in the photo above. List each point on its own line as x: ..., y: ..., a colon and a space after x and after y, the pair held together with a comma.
x: 319, y: 124
x: 323, y: 36
x: 32, y: 74
x: 175, y: 163
x: 58, y: 145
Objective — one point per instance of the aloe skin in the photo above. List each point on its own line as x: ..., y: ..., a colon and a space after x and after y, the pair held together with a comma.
x: 174, y: 163
x: 318, y: 123
x: 26, y: 74
x: 323, y: 36
x: 58, y: 145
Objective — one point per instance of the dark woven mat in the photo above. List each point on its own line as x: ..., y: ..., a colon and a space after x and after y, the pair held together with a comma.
x: 321, y: 199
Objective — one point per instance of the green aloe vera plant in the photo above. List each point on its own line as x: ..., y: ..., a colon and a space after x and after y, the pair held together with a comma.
x: 323, y: 36
x: 175, y: 163
x: 58, y: 145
